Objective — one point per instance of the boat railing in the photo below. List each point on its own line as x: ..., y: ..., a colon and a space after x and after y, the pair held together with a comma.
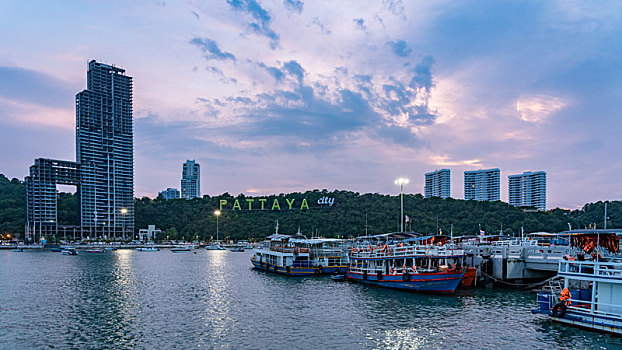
x: 591, y: 269
x: 396, y: 251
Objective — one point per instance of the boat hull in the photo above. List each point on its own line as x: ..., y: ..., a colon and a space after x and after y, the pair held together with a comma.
x: 591, y: 322
x: 443, y: 282
x: 469, y: 277
x: 298, y: 271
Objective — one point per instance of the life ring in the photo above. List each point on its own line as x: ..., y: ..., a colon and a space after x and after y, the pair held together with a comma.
x: 406, y: 276
x: 559, y: 310
x: 379, y: 276
x: 364, y: 275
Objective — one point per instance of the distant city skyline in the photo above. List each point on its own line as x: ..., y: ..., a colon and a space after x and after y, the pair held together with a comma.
x: 286, y: 96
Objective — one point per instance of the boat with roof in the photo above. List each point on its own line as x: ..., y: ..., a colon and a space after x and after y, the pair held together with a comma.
x: 591, y: 294
x: 407, y: 261
x: 297, y: 255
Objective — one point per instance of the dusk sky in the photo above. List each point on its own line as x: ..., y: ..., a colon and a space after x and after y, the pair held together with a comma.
x: 281, y: 96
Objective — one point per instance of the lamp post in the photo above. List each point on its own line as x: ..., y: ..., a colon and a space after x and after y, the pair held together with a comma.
x: 123, y: 212
x: 217, y: 213
x: 402, y: 181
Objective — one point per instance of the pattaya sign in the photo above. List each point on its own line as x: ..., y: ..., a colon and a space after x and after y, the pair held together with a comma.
x: 274, y: 204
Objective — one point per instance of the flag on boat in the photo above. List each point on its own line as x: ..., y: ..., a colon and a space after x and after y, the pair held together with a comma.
x: 482, y: 232
x: 407, y: 219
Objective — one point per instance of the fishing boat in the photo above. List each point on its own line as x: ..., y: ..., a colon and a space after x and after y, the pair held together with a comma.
x: 69, y: 251
x: 148, y: 249
x: 297, y: 255
x: 591, y: 294
x: 408, y: 262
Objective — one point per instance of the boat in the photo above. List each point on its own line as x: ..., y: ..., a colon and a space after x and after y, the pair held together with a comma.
x: 469, y: 277
x: 407, y: 262
x: 69, y: 251
x: 17, y: 249
x: 147, y: 249
x: 180, y: 249
x: 56, y: 250
x: 339, y: 278
x: 215, y: 246
x: 95, y: 251
x: 591, y: 294
x: 296, y: 255
x: 237, y: 249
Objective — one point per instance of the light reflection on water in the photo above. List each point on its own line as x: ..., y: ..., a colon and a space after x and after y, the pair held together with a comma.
x: 213, y: 299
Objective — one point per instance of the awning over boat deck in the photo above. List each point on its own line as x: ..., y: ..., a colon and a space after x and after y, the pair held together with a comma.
x: 280, y: 237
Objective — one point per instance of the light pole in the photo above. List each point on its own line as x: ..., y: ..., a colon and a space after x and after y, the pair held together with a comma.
x: 217, y: 213
x: 402, y: 181
x: 123, y: 212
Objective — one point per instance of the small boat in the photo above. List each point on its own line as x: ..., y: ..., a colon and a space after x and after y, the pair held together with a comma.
x: 17, y: 250
x: 179, y: 250
x: 469, y: 277
x: 338, y: 278
x: 215, y: 247
x: 56, y: 250
x: 237, y: 250
x: 95, y: 251
x: 69, y: 251
x: 148, y: 249
x: 111, y: 248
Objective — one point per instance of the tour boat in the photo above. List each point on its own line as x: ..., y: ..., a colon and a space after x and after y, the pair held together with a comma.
x: 147, y: 249
x: 414, y: 264
x: 594, y: 286
x: 299, y: 256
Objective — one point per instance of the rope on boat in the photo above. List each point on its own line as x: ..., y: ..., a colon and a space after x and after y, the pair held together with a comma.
x: 528, y: 285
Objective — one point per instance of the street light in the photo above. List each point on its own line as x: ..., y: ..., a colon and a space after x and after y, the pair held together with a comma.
x: 123, y: 212
x: 217, y: 213
x: 402, y: 181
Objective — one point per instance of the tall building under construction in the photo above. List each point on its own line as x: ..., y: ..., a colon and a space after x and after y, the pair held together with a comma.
x: 104, y: 168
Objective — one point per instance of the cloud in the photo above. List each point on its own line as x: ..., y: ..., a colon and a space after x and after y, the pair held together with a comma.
x: 36, y: 88
x: 211, y: 49
x: 536, y: 109
x: 359, y: 24
x: 262, y: 18
x: 293, y: 5
x: 399, y: 48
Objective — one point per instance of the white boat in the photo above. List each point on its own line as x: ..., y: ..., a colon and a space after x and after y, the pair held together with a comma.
x: 215, y: 247
x: 147, y: 249
x: 594, y: 286
x: 69, y: 251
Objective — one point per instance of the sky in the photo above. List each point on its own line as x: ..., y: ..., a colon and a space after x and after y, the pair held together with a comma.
x: 287, y: 96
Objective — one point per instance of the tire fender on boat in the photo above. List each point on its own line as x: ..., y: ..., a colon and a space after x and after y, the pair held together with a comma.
x: 406, y: 276
x: 364, y: 275
x: 559, y: 310
x: 379, y: 276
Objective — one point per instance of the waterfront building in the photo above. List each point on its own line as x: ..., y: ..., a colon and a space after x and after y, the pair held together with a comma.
x: 104, y: 169
x: 191, y: 180
x: 170, y: 193
x: 438, y: 183
x: 528, y: 189
x: 482, y: 185
x: 148, y: 234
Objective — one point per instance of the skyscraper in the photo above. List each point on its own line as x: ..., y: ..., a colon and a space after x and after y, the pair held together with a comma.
x: 528, y: 189
x: 482, y: 185
x: 191, y: 180
x: 438, y: 183
x: 104, y: 169
x: 105, y: 151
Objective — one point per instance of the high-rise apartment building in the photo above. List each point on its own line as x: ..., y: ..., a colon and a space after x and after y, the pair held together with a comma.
x: 438, y: 183
x: 191, y: 180
x: 170, y: 193
x: 104, y: 169
x: 482, y: 185
x: 105, y: 150
x: 528, y: 189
